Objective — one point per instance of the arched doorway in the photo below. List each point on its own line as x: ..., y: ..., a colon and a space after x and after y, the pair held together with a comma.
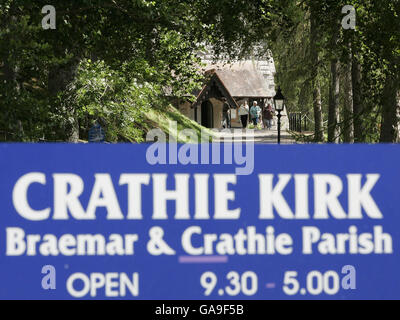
x: 207, y: 119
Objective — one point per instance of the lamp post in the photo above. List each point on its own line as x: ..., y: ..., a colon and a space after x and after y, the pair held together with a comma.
x: 279, y: 102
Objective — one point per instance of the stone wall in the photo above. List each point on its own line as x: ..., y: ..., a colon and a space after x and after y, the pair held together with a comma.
x: 186, y: 110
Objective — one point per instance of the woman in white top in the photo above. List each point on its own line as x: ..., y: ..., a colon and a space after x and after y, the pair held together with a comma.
x: 244, y: 114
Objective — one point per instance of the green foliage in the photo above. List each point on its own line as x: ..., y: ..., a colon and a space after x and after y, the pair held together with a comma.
x: 374, y: 43
x: 110, y: 61
x: 113, y: 61
x: 114, y: 98
x: 162, y: 117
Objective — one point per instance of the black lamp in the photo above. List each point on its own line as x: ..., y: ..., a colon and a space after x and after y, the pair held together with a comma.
x: 279, y: 102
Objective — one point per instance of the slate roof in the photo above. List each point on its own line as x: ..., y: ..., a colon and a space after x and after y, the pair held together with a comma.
x: 214, y: 87
x: 247, y: 79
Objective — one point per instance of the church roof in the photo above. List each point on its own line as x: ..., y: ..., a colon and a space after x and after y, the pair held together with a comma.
x: 247, y: 79
x: 238, y: 80
x: 214, y: 88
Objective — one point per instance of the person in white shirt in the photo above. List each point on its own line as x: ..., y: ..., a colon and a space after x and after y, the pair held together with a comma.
x: 244, y: 114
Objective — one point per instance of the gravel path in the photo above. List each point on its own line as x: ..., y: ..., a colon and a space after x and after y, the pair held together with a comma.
x: 257, y: 136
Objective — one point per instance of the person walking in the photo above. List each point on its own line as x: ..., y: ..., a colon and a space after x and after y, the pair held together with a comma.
x: 268, y: 116
x: 244, y: 114
x: 255, y: 113
x: 226, y: 110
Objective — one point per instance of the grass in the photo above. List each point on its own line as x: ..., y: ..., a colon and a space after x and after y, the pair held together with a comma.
x: 299, y: 137
x: 161, y: 118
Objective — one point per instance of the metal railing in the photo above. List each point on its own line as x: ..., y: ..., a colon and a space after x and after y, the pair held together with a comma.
x: 298, y: 122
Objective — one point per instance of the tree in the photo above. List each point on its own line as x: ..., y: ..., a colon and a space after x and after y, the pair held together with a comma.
x: 358, y: 104
x: 334, y: 85
x: 150, y: 45
x: 334, y: 99
x: 315, y: 60
x: 365, y: 59
x: 348, y: 115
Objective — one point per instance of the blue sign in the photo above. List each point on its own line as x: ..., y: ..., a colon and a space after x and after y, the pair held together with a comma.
x: 96, y: 133
x: 301, y: 222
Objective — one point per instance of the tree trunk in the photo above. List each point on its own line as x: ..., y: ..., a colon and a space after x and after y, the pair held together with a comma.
x: 319, y: 128
x: 334, y: 101
x: 358, y: 107
x: 348, y: 125
x: 390, y: 130
x: 9, y: 70
x: 59, y: 78
x: 334, y: 89
x: 9, y: 74
x: 73, y: 132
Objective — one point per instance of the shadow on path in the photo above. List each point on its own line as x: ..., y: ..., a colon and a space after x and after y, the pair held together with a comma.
x: 257, y: 136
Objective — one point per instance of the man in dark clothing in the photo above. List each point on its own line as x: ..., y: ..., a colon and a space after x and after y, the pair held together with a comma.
x: 268, y: 116
x: 226, y: 110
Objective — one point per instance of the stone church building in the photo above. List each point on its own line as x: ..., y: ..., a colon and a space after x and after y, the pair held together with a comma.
x: 246, y: 80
